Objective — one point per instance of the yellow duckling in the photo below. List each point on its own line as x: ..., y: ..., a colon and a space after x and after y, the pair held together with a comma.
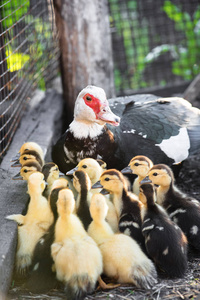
x: 41, y: 277
x: 78, y: 260
x: 140, y: 166
x: 26, y: 156
x: 27, y: 169
x: 34, y: 224
x: 30, y: 146
x: 123, y: 259
x: 94, y: 169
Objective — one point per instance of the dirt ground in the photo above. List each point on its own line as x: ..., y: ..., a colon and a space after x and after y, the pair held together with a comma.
x: 184, y: 288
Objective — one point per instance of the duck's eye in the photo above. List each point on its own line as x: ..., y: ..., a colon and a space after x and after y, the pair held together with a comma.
x: 155, y: 174
x: 107, y: 179
x: 88, y: 98
x: 136, y: 164
x: 56, y: 169
x: 25, y: 158
x: 25, y: 171
x: 84, y: 166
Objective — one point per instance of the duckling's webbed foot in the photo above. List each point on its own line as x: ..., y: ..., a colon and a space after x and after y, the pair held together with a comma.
x: 106, y: 286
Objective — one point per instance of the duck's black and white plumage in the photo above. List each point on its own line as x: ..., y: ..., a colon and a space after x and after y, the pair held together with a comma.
x: 166, y: 130
x: 165, y: 242
x: 182, y: 209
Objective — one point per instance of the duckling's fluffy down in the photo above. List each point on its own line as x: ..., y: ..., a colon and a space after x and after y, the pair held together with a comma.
x: 123, y: 258
x: 81, y: 271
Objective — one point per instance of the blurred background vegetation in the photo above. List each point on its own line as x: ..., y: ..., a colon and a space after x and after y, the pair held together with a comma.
x: 155, y: 43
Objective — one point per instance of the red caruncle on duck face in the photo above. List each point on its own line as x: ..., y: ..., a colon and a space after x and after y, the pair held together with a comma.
x: 101, y: 109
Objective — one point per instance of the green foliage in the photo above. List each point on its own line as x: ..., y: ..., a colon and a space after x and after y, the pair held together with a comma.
x: 128, y: 25
x: 39, y: 41
x: 187, y: 65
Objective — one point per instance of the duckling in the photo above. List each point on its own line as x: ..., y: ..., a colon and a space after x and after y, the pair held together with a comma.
x: 27, y: 169
x: 28, y: 155
x: 165, y: 242
x: 29, y: 146
x: 182, y: 209
x: 51, y: 173
x: 34, y: 224
x: 94, y: 169
x: 138, y: 165
x: 42, y: 278
x: 82, y: 184
x: 127, y: 205
x: 77, y: 258
x: 123, y: 258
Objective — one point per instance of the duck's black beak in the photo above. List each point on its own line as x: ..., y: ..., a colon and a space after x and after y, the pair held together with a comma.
x: 71, y: 172
x: 104, y: 192
x: 16, y: 164
x: 97, y: 185
x: 126, y: 170
x: 146, y: 180
x: 16, y: 157
x: 17, y: 177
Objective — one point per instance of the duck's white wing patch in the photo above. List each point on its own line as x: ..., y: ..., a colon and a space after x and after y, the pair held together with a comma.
x: 176, y: 147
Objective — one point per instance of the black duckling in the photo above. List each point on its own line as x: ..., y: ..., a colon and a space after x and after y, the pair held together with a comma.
x: 41, y: 277
x: 94, y: 169
x: 77, y: 258
x: 127, y: 205
x: 138, y: 165
x: 123, y: 259
x: 165, y: 130
x: 82, y: 184
x: 182, y: 209
x: 33, y: 225
x: 165, y: 242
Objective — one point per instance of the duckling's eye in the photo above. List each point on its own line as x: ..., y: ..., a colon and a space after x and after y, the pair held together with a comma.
x: 136, y: 164
x: 84, y: 166
x: 25, y: 158
x: 25, y: 171
x: 155, y: 174
x: 107, y: 179
x: 88, y: 98
x: 56, y: 169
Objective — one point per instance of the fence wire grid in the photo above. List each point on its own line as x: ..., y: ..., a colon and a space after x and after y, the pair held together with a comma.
x: 28, y: 58
x: 155, y: 43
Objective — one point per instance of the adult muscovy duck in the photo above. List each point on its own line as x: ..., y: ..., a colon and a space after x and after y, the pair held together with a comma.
x: 167, y: 130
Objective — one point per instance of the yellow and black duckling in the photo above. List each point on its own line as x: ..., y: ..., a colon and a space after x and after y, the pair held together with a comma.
x: 140, y: 166
x: 123, y: 259
x: 94, y: 169
x: 51, y: 173
x: 30, y: 146
x: 165, y: 242
x: 77, y: 258
x: 26, y: 156
x: 34, y: 224
x: 41, y: 277
x: 182, y: 209
x: 27, y: 169
x: 127, y: 205
x: 82, y: 184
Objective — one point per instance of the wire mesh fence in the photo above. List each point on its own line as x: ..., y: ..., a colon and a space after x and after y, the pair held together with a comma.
x: 28, y: 58
x: 155, y: 43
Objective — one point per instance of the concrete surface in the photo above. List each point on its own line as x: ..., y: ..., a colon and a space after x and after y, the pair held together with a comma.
x: 42, y: 124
